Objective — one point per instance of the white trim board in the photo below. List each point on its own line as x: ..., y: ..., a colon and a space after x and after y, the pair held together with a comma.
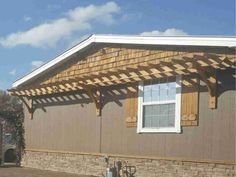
x: 177, y: 102
x: 138, y: 40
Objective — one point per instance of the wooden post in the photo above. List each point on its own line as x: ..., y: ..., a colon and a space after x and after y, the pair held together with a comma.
x: 98, y: 103
x: 209, y: 78
x: 212, y: 100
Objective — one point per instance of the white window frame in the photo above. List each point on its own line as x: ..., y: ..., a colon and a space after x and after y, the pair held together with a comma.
x: 177, y: 101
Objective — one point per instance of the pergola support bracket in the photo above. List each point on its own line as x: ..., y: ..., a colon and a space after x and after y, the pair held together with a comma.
x: 210, y: 79
x: 95, y: 95
x: 29, y: 105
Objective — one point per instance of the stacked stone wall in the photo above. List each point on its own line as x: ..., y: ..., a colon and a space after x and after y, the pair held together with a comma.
x: 92, y: 164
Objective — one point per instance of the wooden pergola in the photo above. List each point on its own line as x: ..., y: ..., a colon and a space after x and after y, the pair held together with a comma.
x: 203, y: 64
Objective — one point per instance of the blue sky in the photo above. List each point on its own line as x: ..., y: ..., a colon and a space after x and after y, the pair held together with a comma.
x: 33, y: 32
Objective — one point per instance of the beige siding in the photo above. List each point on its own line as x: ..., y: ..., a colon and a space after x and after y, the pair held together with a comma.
x: 64, y: 128
x: 75, y: 127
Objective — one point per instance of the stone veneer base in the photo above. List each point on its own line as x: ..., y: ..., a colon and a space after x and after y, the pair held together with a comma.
x: 94, y: 165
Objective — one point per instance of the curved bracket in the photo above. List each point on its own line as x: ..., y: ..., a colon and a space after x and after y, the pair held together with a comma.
x: 207, y: 75
x: 209, y: 78
x: 211, y: 83
x: 95, y: 95
x: 28, y: 105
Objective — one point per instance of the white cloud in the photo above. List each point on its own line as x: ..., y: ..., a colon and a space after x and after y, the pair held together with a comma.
x: 49, y: 33
x: 36, y: 64
x: 167, y: 32
x: 27, y: 18
x: 131, y: 16
x: 12, y: 72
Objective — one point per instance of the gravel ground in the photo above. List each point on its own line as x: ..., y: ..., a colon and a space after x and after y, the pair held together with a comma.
x: 10, y: 171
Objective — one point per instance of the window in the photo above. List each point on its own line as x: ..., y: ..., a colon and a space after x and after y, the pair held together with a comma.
x: 159, y: 105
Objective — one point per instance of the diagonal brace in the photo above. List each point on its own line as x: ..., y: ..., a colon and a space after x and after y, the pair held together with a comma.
x: 95, y: 95
x: 28, y: 105
x: 210, y: 79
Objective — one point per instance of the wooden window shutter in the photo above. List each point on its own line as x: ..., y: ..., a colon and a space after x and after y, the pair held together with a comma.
x: 190, y: 101
x: 131, y: 104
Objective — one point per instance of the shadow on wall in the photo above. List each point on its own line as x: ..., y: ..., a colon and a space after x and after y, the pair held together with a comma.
x: 226, y: 82
x: 111, y: 94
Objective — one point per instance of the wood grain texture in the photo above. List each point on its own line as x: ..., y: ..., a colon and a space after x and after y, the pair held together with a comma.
x: 185, y: 64
x: 132, y: 106
x: 190, y: 101
x: 102, y: 58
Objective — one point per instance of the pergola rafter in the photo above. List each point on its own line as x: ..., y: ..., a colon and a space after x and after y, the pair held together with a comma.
x: 203, y: 64
x: 184, y: 66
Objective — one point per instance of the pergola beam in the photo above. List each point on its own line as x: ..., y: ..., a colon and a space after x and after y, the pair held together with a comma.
x: 203, y: 64
x: 131, y: 73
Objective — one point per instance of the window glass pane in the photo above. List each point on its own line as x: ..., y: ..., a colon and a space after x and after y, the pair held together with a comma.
x: 147, y: 93
x: 171, y: 90
x: 159, y: 90
x: 155, y: 92
x: 155, y: 116
x: 147, y: 116
x: 163, y: 120
x: 171, y: 115
x: 163, y: 92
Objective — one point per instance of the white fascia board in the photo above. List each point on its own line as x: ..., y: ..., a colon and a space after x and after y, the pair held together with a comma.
x: 139, y: 40
x: 168, y: 40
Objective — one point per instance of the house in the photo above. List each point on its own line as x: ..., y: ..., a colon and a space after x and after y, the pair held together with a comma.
x: 162, y: 106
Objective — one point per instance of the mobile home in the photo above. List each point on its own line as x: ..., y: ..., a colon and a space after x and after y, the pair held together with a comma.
x: 163, y: 106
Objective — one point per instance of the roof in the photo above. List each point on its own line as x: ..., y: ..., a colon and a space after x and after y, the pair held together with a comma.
x: 229, y: 41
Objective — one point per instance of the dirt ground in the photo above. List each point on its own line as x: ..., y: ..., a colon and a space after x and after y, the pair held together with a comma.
x: 29, y: 172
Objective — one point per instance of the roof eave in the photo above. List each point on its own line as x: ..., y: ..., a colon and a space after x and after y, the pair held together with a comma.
x: 139, y: 40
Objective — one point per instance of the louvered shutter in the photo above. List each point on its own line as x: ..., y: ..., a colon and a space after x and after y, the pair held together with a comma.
x: 131, y: 105
x: 189, y: 101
